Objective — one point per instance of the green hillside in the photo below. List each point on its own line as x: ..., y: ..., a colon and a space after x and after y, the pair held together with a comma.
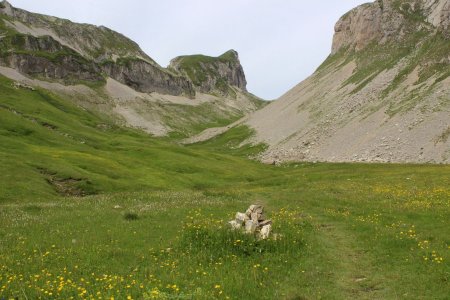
x: 45, y: 138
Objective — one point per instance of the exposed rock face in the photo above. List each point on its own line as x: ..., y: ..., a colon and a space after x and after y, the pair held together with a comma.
x: 5, y: 8
x: 382, y: 96
x: 147, y: 78
x: 364, y: 24
x: 68, y: 68
x: 210, y: 74
x: 47, y: 58
x: 388, y: 20
x: 438, y: 13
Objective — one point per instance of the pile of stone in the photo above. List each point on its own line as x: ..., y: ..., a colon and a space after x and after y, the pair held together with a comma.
x: 253, y: 221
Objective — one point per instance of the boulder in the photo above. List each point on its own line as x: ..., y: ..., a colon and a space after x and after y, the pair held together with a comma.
x: 241, y: 218
x: 255, y: 218
x: 250, y: 226
x: 235, y: 225
x: 254, y: 209
x: 264, y: 223
x: 265, y: 231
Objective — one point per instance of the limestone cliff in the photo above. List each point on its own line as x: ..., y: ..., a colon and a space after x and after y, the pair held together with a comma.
x: 147, y: 78
x: 212, y: 74
x: 387, y: 21
x: 45, y: 57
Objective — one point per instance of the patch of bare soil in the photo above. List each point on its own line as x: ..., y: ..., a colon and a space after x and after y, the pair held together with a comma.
x: 65, y: 186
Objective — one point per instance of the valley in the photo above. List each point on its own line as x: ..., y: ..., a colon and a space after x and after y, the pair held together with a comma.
x: 118, y: 176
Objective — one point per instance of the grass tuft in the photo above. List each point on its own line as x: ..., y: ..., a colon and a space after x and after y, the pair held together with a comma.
x: 131, y: 216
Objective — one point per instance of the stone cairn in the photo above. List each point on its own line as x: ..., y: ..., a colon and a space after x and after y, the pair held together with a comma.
x: 253, y: 221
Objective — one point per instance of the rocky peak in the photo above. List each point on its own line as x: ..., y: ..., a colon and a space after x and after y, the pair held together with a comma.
x: 5, y: 8
x: 212, y: 74
x: 389, y: 20
x: 233, y: 55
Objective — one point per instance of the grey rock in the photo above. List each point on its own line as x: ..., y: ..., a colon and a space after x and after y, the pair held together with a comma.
x: 45, y: 57
x: 235, y: 225
x: 69, y: 51
x: 253, y: 221
x: 255, y: 217
x: 264, y: 223
x: 212, y: 74
x: 147, y: 78
x: 386, y: 20
x: 250, y: 226
x: 254, y: 209
x: 265, y: 231
x: 241, y: 218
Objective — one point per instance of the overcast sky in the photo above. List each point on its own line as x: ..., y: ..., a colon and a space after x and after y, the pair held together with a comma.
x: 280, y: 43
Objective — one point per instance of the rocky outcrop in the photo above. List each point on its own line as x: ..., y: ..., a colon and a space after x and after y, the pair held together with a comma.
x: 212, y: 74
x: 389, y: 20
x: 67, y: 68
x: 148, y: 78
x: 438, y: 13
x: 45, y: 57
x: 362, y: 25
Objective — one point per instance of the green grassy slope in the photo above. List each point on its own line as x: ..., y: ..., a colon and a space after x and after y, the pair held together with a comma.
x: 154, y: 224
x: 43, y: 135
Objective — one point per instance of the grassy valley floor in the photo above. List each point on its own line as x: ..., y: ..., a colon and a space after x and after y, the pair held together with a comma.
x: 89, y: 210
x: 347, y: 232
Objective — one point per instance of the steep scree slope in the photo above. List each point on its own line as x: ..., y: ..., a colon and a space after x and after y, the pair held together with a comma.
x: 383, y: 95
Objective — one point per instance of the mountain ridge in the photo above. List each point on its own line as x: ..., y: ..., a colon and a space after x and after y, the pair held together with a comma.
x: 116, y: 55
x: 105, y: 71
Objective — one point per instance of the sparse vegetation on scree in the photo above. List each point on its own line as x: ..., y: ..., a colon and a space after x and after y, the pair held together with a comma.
x: 89, y: 210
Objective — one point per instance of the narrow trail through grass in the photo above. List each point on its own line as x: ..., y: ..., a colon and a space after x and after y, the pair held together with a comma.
x: 354, y: 269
